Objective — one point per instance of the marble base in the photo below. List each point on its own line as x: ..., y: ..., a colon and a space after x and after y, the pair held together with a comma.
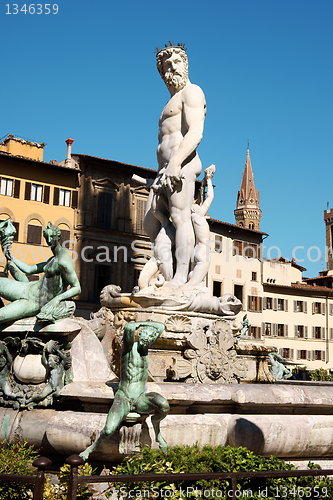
x: 287, y: 420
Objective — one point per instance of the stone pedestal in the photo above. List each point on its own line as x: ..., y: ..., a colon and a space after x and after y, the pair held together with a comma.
x: 197, y: 348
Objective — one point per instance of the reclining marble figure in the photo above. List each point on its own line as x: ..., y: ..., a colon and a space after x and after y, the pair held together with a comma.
x: 131, y: 395
x: 47, y: 298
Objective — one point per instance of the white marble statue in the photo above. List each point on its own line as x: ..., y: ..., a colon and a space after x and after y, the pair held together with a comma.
x: 172, y: 193
x: 202, y: 233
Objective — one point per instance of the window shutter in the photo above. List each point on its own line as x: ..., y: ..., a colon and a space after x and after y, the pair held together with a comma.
x: 286, y: 305
x: 264, y: 303
x: 281, y: 351
x: 313, y: 355
x: 298, y: 354
x: 274, y: 330
x: 296, y: 331
x: 308, y: 355
x: 104, y: 215
x: 17, y: 227
x: 46, y: 198
x: 291, y: 353
x: 295, y: 306
x: 263, y: 329
x: 313, y: 307
x: 75, y: 197
x: 331, y: 330
x: 56, y: 196
x: 275, y: 304
x: 313, y: 332
x: 17, y: 184
x: 65, y: 236
x: 259, y: 332
x: 27, y: 193
x: 260, y: 304
x: 323, y: 308
x: 286, y: 330
x: 323, y: 355
x: 305, y: 307
x: 249, y: 303
x: 34, y: 234
x: 323, y: 332
x: 306, y: 332
x: 140, y: 215
x: 331, y: 309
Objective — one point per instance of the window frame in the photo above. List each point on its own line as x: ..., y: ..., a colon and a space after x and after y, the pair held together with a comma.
x: 36, y: 192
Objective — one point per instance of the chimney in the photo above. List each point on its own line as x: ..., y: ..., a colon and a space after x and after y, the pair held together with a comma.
x: 69, y: 143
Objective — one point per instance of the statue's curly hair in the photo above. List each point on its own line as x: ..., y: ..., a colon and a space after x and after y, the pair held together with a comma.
x: 167, y: 52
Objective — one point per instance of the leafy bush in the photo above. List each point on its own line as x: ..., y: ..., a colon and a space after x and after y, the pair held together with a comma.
x: 59, y: 491
x: 181, y: 459
x: 321, y: 374
x: 16, y: 458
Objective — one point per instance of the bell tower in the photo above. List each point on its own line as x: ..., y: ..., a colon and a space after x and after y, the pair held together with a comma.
x: 328, y: 218
x: 248, y: 213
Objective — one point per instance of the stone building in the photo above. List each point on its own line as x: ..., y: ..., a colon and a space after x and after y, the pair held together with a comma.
x: 109, y: 236
x: 32, y: 193
x: 100, y: 208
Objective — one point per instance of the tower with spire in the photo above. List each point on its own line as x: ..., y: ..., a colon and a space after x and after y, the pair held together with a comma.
x: 248, y: 213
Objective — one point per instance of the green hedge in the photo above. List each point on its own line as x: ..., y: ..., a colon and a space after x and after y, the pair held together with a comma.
x: 16, y: 458
x: 216, y: 459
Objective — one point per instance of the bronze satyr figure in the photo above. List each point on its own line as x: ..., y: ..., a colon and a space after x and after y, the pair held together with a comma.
x: 131, y: 394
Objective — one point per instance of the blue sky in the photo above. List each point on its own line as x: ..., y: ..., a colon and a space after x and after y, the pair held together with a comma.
x: 88, y: 72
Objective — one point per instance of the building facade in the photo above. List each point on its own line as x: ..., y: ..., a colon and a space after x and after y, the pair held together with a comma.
x: 99, y: 205
x: 110, y: 240
x: 32, y: 193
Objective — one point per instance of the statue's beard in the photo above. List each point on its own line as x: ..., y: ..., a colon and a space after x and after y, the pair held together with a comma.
x: 175, y: 80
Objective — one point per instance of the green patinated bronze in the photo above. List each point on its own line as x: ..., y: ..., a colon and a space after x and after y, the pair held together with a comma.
x: 46, y: 298
x: 131, y: 395
x: 277, y: 368
x: 53, y: 355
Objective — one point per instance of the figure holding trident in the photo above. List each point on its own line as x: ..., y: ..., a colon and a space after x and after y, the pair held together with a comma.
x: 180, y: 132
x: 131, y: 394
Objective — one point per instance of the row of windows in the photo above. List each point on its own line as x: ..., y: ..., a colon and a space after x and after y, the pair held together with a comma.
x: 245, y: 249
x: 257, y: 304
x: 300, y: 331
x: 315, y: 355
x: 239, y: 248
x: 38, y: 192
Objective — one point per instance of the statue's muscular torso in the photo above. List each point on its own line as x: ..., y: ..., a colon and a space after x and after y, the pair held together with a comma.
x: 172, y: 128
x: 134, y: 372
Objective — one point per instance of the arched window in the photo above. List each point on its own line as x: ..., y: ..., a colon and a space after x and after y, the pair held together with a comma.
x: 65, y: 234
x: 251, y: 225
x: 34, y: 234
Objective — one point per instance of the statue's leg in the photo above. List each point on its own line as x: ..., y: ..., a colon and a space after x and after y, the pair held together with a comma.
x: 154, y: 402
x: 22, y: 308
x: 118, y: 411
